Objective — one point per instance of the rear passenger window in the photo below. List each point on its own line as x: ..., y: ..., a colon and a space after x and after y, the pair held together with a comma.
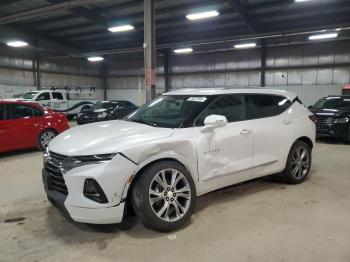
x: 2, y: 112
x: 22, y: 111
x: 230, y: 106
x: 259, y: 106
x: 57, y: 96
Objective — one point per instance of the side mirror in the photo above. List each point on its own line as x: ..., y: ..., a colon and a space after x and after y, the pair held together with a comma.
x: 310, y: 107
x: 213, y: 121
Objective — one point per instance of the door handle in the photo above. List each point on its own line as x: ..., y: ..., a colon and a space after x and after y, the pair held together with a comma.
x: 287, y: 122
x: 246, y: 132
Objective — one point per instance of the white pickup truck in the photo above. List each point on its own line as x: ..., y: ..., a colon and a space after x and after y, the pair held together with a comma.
x: 69, y: 103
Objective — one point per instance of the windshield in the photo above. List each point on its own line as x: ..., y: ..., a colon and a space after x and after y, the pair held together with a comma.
x: 330, y: 102
x: 29, y: 95
x: 104, y: 105
x: 170, y: 111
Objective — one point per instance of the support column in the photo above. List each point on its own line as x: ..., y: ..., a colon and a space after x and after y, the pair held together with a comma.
x: 105, y: 74
x: 166, y: 71
x: 263, y: 65
x: 149, y: 47
x: 36, y: 67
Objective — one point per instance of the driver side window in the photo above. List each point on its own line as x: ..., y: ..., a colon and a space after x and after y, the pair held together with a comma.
x: 230, y: 106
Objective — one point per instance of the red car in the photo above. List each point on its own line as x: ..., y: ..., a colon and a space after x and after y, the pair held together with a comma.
x: 27, y: 125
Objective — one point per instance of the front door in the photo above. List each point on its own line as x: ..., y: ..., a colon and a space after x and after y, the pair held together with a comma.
x: 225, y: 151
x: 58, y: 102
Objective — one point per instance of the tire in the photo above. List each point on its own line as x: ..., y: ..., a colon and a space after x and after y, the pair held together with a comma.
x: 298, y: 164
x: 45, y: 137
x: 174, y: 204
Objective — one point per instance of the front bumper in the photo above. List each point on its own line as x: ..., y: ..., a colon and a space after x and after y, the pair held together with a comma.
x: 82, y: 209
x: 332, y: 130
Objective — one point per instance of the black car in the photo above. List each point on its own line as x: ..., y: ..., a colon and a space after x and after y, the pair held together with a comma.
x: 333, y: 117
x: 105, y: 110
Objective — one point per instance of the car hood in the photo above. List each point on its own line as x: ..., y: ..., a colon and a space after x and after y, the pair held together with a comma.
x: 105, y: 137
x: 325, y: 112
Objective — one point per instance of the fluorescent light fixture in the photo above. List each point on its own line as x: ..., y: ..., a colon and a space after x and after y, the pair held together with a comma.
x: 301, y: 0
x: 121, y: 28
x: 247, y: 45
x: 323, y: 36
x: 183, y: 50
x: 17, y: 43
x: 338, y: 29
x: 95, y: 58
x: 202, y: 15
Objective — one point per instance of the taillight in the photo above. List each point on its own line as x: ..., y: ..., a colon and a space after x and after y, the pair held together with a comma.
x: 313, y: 118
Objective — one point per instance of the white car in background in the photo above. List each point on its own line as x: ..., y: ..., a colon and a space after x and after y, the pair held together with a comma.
x: 179, y: 146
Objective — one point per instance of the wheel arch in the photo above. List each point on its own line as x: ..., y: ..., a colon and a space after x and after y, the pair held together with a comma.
x: 128, y: 190
x: 306, y: 140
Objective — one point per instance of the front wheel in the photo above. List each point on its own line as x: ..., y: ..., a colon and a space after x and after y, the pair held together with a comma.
x: 164, y: 196
x: 298, y: 163
x: 44, y: 138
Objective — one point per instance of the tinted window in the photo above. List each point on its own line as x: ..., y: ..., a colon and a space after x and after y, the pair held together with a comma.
x: 57, y: 96
x: 230, y: 106
x: 259, y: 106
x: 2, y: 112
x: 22, y: 111
x: 332, y: 102
x: 44, y: 96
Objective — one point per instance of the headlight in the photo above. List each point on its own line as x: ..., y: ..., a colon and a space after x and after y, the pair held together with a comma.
x: 77, y: 161
x: 102, y: 115
x: 343, y: 120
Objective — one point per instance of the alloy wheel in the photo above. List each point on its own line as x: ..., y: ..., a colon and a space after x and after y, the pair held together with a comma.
x: 170, y: 195
x: 300, y: 162
x: 46, y: 137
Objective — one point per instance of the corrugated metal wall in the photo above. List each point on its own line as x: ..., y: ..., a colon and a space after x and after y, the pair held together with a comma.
x: 17, y: 76
x: 310, y: 70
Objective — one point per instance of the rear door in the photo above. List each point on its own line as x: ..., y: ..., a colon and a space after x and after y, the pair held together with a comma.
x: 44, y: 99
x: 26, y: 122
x: 272, y: 128
x: 59, y: 103
x: 7, y: 142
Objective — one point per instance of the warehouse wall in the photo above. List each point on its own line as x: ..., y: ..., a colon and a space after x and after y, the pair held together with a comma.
x: 310, y: 70
x: 17, y: 76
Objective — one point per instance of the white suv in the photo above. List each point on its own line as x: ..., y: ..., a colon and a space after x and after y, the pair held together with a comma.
x: 179, y: 146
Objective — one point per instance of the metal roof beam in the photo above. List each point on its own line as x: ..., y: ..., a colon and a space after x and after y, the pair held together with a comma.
x: 238, y: 7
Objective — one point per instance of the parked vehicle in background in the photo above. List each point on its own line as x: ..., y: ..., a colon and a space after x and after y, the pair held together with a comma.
x: 64, y: 100
x: 27, y: 125
x: 179, y: 146
x: 333, y: 117
x: 105, y: 110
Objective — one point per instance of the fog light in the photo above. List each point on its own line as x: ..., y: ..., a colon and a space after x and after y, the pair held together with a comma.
x: 93, y: 191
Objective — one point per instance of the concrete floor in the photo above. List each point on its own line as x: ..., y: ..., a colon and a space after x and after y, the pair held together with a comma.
x: 256, y: 221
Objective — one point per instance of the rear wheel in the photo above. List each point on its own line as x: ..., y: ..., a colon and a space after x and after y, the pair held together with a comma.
x: 45, y: 137
x: 298, y: 163
x: 164, y: 196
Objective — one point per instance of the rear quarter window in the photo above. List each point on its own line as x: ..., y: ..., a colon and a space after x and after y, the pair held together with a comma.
x: 260, y: 106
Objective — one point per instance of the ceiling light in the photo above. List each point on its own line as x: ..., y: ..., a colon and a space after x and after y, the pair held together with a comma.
x: 338, y: 29
x: 121, y: 28
x: 17, y: 43
x: 95, y: 58
x: 202, y: 15
x: 323, y: 36
x: 301, y: 0
x: 183, y: 50
x: 247, y: 45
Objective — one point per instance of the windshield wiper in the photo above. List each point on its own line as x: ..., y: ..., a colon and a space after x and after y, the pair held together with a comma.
x: 141, y: 121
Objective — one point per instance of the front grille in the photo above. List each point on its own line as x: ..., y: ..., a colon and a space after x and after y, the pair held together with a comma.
x: 55, y: 177
x: 325, y: 121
